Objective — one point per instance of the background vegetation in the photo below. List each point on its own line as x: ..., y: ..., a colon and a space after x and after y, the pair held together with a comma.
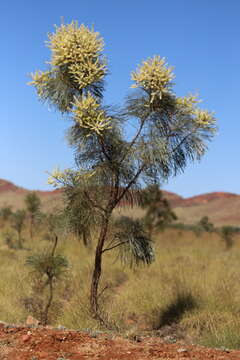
x: 191, y: 291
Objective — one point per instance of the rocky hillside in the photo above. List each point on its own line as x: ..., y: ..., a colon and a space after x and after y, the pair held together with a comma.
x: 221, y: 207
x: 13, y: 195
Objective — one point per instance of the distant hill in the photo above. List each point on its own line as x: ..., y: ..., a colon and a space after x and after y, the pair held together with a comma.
x: 221, y: 207
x: 207, y: 198
x: 222, y: 210
x: 13, y: 195
x: 7, y: 186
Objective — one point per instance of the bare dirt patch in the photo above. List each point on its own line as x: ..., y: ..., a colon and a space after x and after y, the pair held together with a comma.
x: 25, y: 343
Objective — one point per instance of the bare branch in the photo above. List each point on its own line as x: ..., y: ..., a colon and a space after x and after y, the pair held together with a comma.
x: 114, y: 246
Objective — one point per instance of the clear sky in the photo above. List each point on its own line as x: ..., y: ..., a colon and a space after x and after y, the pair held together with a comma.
x: 199, y: 38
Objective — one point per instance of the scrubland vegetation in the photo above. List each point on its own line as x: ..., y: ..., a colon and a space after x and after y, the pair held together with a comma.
x: 191, y: 290
x: 97, y: 264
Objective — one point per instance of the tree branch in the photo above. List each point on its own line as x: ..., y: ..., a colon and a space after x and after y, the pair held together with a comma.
x: 133, y: 140
x: 114, y: 246
x: 93, y: 202
x: 182, y: 141
x: 129, y: 185
x: 103, y: 148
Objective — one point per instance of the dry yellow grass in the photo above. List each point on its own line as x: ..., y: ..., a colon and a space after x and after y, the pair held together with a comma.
x: 195, y: 270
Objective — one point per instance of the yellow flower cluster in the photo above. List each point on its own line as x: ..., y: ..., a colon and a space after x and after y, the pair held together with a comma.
x: 55, y: 177
x: 153, y: 75
x: 78, y: 50
x: 201, y: 117
x: 40, y: 79
x: 188, y: 101
x: 58, y: 178
x: 88, y: 115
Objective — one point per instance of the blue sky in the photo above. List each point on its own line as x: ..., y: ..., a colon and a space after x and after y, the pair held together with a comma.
x: 199, y: 38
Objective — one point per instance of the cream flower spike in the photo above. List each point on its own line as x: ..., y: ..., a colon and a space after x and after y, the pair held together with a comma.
x: 89, y: 115
x: 80, y: 50
x: 154, y: 76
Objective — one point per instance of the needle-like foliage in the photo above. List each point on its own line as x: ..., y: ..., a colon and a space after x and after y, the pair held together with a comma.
x: 134, y: 245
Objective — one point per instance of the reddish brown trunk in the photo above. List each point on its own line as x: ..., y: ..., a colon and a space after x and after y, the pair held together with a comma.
x: 46, y: 310
x: 98, y: 269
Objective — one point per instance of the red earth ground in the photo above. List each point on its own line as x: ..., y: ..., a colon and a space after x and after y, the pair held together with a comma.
x: 28, y: 343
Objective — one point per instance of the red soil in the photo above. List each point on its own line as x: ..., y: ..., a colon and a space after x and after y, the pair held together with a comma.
x: 22, y: 343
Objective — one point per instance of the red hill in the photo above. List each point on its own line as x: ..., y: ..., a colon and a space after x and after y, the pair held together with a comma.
x: 206, y: 198
x: 7, y: 186
x: 220, y: 207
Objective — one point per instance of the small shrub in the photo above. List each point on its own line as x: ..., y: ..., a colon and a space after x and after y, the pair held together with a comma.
x: 9, y: 239
x: 18, y: 219
x: 227, y: 233
x: 48, y: 269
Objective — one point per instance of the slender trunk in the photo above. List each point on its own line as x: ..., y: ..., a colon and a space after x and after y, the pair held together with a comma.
x: 54, y: 245
x: 46, y: 310
x: 19, y: 240
x: 98, y: 269
x: 50, y: 282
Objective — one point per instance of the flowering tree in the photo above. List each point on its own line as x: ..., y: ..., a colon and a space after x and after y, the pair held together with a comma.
x: 170, y: 131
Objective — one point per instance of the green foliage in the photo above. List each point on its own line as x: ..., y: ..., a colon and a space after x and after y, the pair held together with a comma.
x: 198, y: 229
x: 158, y: 211
x: 47, y: 264
x: 55, y: 224
x: 18, y: 219
x: 206, y: 224
x: 227, y: 233
x: 5, y: 214
x: 136, y: 247
x: 33, y: 203
x: 81, y: 217
x: 9, y: 239
x: 48, y: 269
